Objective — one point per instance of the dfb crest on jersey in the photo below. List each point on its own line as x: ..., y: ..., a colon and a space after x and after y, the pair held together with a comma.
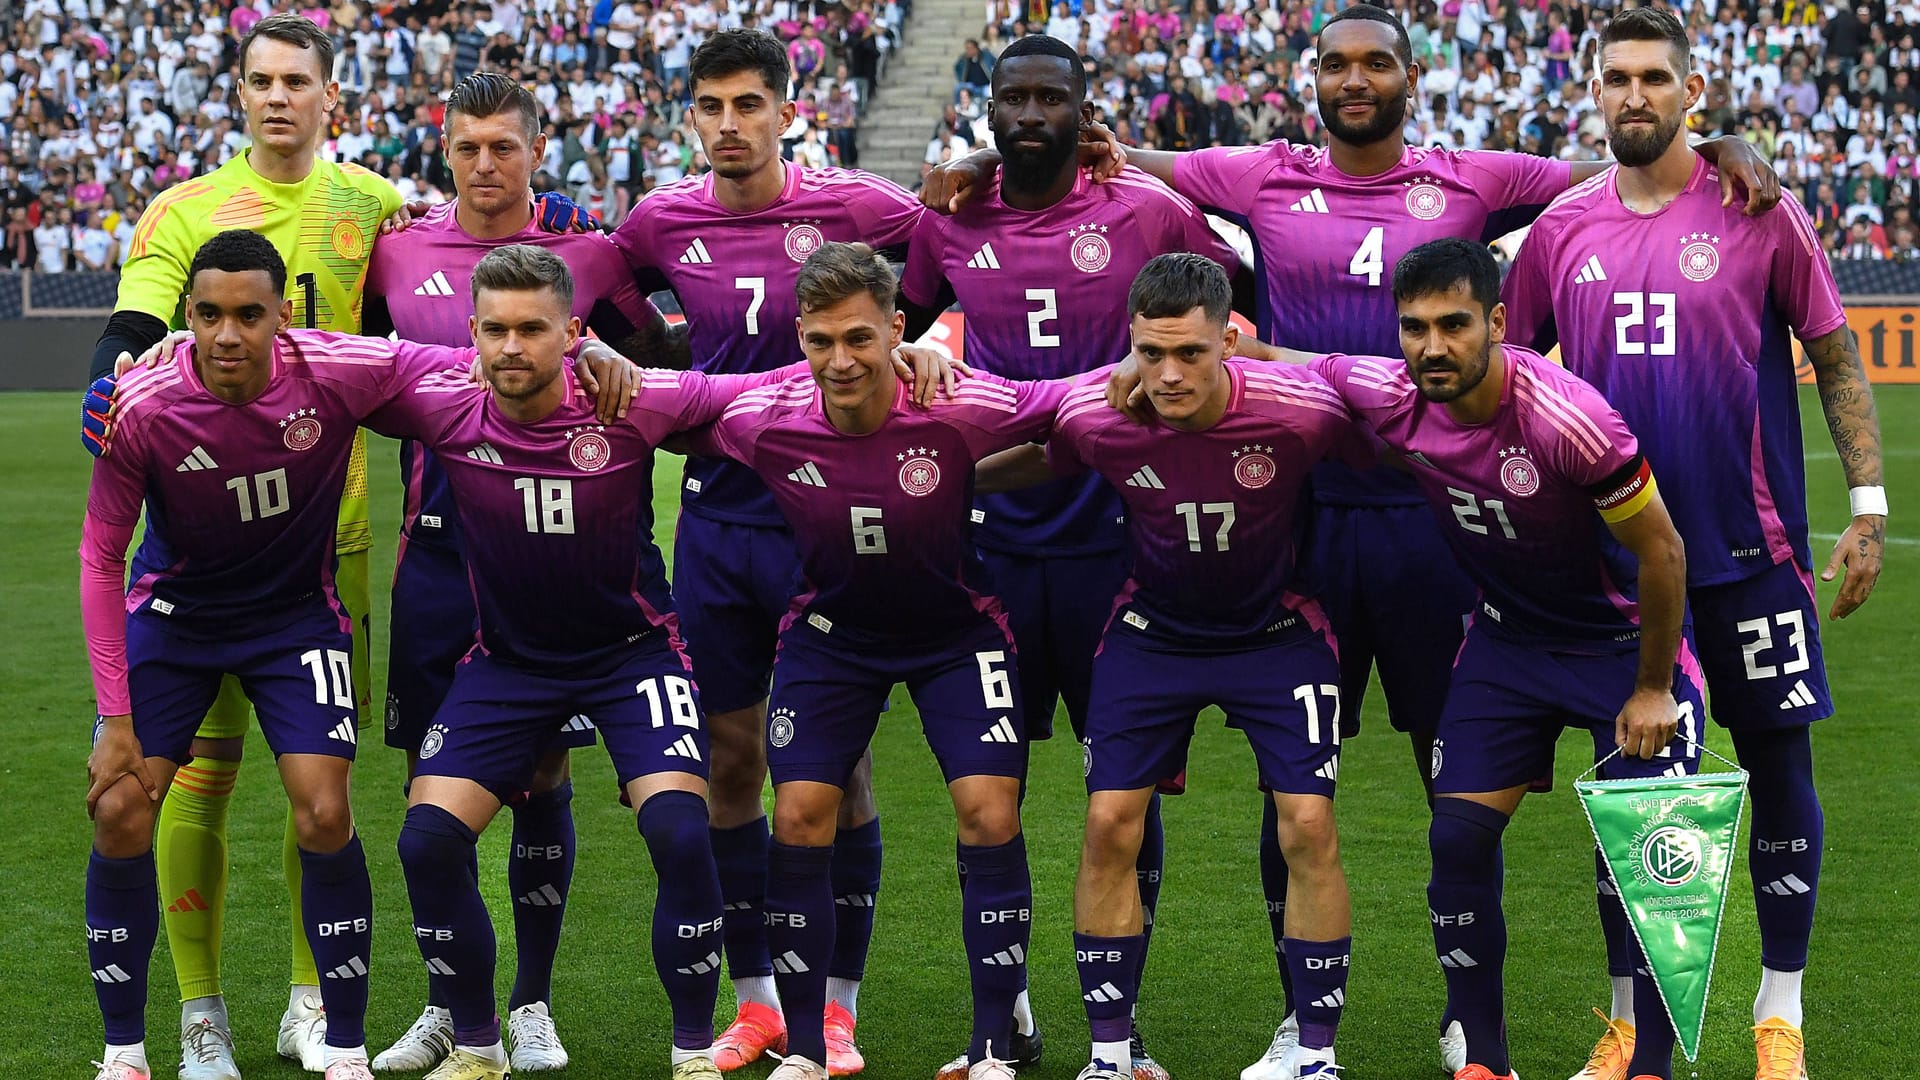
x: 393, y: 712
x: 349, y: 240
x: 300, y: 431
x: 1517, y: 472
x: 1699, y: 259
x: 803, y: 239
x: 1425, y: 199
x: 919, y: 472
x: 780, y: 727
x: 1089, y: 248
x: 436, y: 738
x: 588, y: 449
x: 1252, y: 466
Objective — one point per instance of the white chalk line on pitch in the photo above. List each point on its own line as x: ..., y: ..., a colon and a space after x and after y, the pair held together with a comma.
x: 1898, y: 541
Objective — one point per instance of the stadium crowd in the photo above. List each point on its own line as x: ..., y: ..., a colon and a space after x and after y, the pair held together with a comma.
x: 105, y: 104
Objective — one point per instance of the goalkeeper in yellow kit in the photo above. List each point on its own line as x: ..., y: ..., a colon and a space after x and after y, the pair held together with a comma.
x: 323, y: 218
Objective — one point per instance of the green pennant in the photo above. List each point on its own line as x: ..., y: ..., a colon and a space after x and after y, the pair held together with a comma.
x: 1669, y: 844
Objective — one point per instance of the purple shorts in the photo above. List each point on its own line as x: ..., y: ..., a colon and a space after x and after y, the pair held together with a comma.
x: 1284, y: 695
x: 297, y: 674
x: 731, y: 584
x: 499, y: 718
x: 432, y: 629
x: 1397, y: 600
x: 1510, y: 700
x: 1760, y: 648
x: 827, y: 698
x: 1057, y: 608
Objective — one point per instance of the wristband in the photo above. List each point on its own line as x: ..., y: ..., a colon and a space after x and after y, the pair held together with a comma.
x: 1868, y: 501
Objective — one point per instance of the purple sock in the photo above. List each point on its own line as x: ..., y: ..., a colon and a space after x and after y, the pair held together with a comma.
x: 1469, y: 927
x: 1107, y: 968
x: 687, y: 925
x: 856, y: 884
x: 1613, y: 920
x: 997, y: 918
x: 1652, y: 1030
x: 1320, y: 972
x: 1789, y: 829
x: 1147, y: 871
x: 741, y: 855
x: 123, y: 919
x: 336, y: 896
x: 800, y: 930
x: 436, y: 992
x: 538, y: 875
x: 450, y: 922
x: 1273, y: 883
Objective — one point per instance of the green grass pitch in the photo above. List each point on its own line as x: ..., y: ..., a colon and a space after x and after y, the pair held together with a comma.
x: 1211, y: 995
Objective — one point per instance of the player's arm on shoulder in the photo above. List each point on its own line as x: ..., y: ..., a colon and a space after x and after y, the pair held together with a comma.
x: 1528, y: 293
x: 1846, y: 397
x: 925, y: 292
x: 1629, y: 502
x: 1744, y: 170
x: 1022, y: 466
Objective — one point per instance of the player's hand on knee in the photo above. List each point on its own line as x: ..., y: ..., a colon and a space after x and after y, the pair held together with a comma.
x: 928, y: 371
x: 1646, y: 723
x: 116, y: 753
x: 609, y: 378
x: 1102, y: 151
x: 1858, y: 552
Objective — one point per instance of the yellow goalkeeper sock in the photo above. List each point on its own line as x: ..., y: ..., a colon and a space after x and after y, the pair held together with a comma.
x: 304, y: 972
x: 190, y: 851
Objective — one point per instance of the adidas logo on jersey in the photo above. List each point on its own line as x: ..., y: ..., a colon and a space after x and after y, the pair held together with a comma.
x: 984, y: 259
x: 197, y: 461
x: 437, y: 285
x: 354, y: 968
x: 1311, y: 203
x: 1799, y: 697
x: 709, y: 962
x: 1145, y: 477
x: 1011, y: 956
x: 808, y: 474
x: 1001, y: 731
x: 485, y: 452
x: 686, y: 747
x: 544, y: 896
x: 787, y: 963
x: 696, y: 253
x: 343, y: 732
x: 1591, y: 272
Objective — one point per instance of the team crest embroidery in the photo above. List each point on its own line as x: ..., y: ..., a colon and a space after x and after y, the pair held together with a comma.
x: 588, y: 449
x: 349, y: 242
x: 300, y: 431
x: 1425, y: 200
x: 803, y: 240
x: 780, y: 727
x: 1436, y: 759
x: 1088, y: 247
x: 919, y: 473
x: 393, y: 712
x: 1517, y: 472
x: 1252, y: 466
x: 1672, y: 856
x: 436, y: 738
x: 1699, y: 259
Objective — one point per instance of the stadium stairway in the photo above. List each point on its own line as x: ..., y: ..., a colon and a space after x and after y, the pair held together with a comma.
x: 916, y: 86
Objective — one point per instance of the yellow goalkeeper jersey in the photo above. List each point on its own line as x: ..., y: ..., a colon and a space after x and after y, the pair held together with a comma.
x: 323, y: 227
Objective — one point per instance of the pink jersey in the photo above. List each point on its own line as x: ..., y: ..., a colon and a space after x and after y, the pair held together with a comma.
x: 557, y: 515
x: 734, y: 274
x: 241, y: 500
x: 1212, y: 513
x: 1067, y: 269
x: 1326, y: 244
x: 1516, y: 496
x: 420, y: 285
x: 1683, y: 318
x: 881, y: 520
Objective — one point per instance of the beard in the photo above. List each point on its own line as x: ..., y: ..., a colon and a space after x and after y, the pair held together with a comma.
x: 1389, y: 116
x: 1472, y: 374
x: 1636, y: 149
x: 1029, y: 167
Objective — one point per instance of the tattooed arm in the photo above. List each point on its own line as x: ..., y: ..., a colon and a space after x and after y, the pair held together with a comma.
x: 1847, y: 399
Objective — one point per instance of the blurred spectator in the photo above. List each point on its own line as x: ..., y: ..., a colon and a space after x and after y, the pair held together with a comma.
x: 973, y: 71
